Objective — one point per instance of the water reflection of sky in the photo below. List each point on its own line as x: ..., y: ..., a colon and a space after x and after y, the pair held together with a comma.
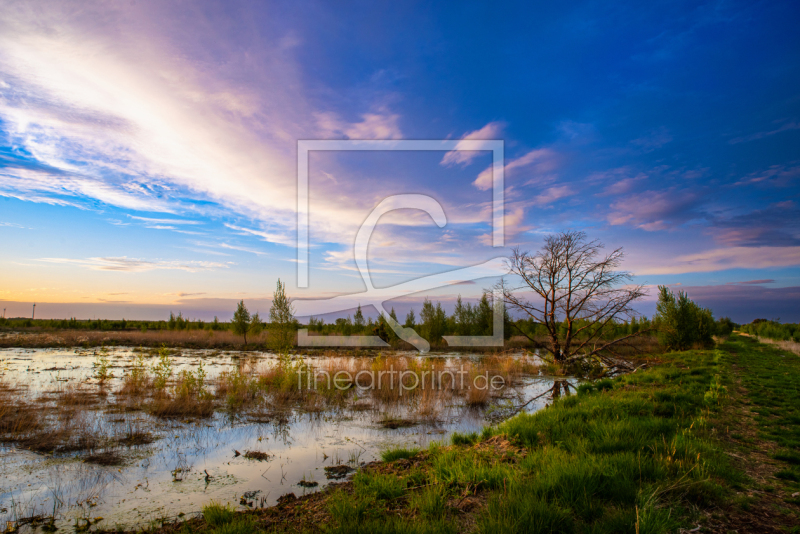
x: 145, y: 489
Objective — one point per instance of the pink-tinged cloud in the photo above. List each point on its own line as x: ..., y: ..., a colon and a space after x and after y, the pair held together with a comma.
x: 381, y: 124
x: 161, y: 126
x: 777, y: 226
x: 776, y: 175
x: 493, y: 130
x: 618, y: 181
x: 721, y: 259
x: 655, y: 210
x: 537, y: 163
x: 553, y: 194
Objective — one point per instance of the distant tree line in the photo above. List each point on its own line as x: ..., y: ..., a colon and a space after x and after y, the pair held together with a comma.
x: 175, y: 322
x: 772, y: 330
x: 432, y: 323
x: 679, y: 323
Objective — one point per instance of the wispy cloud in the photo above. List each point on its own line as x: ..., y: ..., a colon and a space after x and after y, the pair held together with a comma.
x: 776, y: 175
x: 155, y: 128
x: 271, y: 237
x: 381, y: 124
x: 13, y: 225
x: 653, y: 139
x: 242, y: 249
x: 124, y: 264
x: 163, y: 221
x: 538, y: 163
x: 776, y: 225
x: 493, y: 130
x: 721, y: 259
x: 791, y: 125
x: 656, y: 210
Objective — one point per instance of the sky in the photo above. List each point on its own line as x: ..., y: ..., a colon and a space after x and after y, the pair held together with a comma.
x: 148, y: 149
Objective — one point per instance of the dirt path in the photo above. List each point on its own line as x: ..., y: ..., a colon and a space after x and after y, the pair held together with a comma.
x: 770, y: 502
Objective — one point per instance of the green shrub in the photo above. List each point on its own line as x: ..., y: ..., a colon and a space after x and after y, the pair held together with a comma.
x: 162, y: 370
x: 681, y: 323
x: 102, y: 366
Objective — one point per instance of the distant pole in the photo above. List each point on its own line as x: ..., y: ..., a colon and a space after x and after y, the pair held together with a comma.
x: 33, y: 316
x: 4, y: 313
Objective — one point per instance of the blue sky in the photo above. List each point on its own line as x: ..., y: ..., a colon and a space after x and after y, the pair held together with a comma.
x: 148, y: 149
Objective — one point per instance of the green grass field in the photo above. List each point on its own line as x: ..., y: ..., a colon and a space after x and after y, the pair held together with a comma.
x: 662, y: 449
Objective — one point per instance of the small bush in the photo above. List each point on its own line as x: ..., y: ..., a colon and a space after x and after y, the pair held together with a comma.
x: 138, y: 380
x: 102, y: 366
x: 162, y: 370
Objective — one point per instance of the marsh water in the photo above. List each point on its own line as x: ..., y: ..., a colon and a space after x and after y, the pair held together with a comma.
x: 192, y: 462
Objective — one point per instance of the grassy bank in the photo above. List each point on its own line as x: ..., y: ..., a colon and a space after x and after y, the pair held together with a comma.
x: 656, y: 451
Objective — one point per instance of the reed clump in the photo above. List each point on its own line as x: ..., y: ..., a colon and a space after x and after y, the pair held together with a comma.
x: 76, y: 395
x: 137, y: 381
x: 237, y: 387
x: 187, y: 397
x: 19, y: 418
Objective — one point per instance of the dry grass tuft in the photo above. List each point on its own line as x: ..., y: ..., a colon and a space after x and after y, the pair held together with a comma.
x: 181, y: 407
x: 76, y: 395
x: 136, y: 437
x: 477, y: 396
x: 18, y: 418
x: 257, y: 455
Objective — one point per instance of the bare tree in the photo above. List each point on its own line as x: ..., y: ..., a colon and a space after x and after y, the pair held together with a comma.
x: 577, y: 294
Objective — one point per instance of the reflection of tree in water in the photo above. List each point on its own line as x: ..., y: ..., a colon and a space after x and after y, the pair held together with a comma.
x: 560, y: 387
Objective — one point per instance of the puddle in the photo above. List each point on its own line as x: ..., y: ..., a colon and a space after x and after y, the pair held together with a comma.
x: 228, y: 457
